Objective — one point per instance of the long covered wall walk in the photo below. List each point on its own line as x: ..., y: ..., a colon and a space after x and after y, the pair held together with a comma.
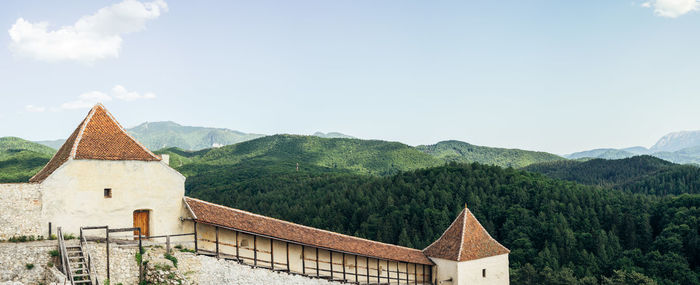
x: 297, y: 258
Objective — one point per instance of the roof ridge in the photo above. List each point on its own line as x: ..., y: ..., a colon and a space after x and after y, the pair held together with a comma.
x: 74, y: 148
x: 464, y: 229
x: 308, y: 227
x: 487, y: 233
x: 121, y: 128
x: 443, y: 233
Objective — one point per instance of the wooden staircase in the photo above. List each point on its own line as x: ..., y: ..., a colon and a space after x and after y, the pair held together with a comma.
x: 75, y: 261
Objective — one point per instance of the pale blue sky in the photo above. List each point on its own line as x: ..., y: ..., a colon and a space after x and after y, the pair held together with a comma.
x: 557, y: 76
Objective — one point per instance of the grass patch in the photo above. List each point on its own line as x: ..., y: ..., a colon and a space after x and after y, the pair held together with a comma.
x: 53, y: 253
x: 168, y: 256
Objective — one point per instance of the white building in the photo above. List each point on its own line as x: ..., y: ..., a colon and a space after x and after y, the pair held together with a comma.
x: 103, y: 176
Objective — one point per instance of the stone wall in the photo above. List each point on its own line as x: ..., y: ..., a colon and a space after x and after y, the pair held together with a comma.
x: 191, y: 269
x: 14, y: 258
x: 20, y: 210
x: 122, y: 263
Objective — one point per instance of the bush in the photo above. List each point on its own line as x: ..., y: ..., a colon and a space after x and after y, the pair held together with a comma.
x: 168, y: 256
x: 53, y: 253
x: 29, y: 266
x: 53, y: 237
x: 68, y: 236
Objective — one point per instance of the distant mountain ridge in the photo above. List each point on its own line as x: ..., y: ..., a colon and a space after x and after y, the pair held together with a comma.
x: 166, y: 134
x: 677, y: 147
x: 157, y: 135
x: 677, y: 141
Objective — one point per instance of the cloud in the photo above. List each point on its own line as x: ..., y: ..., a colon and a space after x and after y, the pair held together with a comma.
x: 86, y: 100
x: 672, y: 8
x: 34, y: 109
x: 89, y: 99
x: 91, y: 38
x: 121, y: 93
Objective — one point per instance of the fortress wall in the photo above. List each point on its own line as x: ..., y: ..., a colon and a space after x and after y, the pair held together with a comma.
x: 367, y: 269
x: 20, y: 210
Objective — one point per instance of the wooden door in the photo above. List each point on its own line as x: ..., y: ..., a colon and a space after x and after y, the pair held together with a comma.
x: 141, y: 221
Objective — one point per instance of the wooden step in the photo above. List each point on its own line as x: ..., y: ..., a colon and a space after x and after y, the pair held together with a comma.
x: 82, y: 281
x: 81, y: 275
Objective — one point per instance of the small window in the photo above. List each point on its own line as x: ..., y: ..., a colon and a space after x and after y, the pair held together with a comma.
x: 483, y: 273
x: 244, y: 242
x: 108, y: 192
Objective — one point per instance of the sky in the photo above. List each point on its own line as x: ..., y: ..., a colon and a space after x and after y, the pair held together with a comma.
x: 556, y: 76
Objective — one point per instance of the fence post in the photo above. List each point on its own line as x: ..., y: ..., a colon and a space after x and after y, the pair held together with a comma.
x: 196, y: 251
x: 107, y: 244
x: 167, y: 244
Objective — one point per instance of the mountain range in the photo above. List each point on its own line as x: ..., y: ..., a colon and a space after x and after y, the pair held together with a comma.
x: 158, y: 135
x: 678, y: 147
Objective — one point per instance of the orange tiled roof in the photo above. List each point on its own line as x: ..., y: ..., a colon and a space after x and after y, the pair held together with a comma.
x: 209, y: 213
x: 464, y: 240
x: 99, y: 136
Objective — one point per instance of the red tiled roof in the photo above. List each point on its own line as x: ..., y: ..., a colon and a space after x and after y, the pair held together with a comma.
x: 209, y: 213
x: 99, y: 136
x: 464, y: 240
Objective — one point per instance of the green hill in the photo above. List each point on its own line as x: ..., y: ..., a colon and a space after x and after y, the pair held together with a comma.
x: 283, y: 152
x: 21, y: 159
x: 639, y: 174
x: 458, y: 151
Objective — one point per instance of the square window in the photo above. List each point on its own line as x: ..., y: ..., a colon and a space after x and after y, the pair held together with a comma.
x: 108, y: 192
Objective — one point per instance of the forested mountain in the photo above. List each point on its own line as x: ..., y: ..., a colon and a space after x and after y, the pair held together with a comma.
x: 639, y: 174
x: 458, y: 151
x: 21, y: 159
x: 285, y: 151
x: 558, y: 232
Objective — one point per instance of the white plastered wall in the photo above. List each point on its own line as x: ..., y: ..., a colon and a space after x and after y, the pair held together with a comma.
x: 73, y: 195
x: 471, y: 272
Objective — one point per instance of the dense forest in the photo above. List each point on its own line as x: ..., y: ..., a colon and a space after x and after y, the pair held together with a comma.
x: 559, y: 232
x: 638, y: 174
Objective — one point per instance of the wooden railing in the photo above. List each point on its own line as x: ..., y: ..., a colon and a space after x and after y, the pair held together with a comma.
x: 64, y: 255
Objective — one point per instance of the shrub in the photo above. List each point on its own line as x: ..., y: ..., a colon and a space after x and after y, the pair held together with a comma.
x: 53, y: 253
x: 179, y: 246
x: 68, y: 236
x: 53, y: 237
x: 29, y: 266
